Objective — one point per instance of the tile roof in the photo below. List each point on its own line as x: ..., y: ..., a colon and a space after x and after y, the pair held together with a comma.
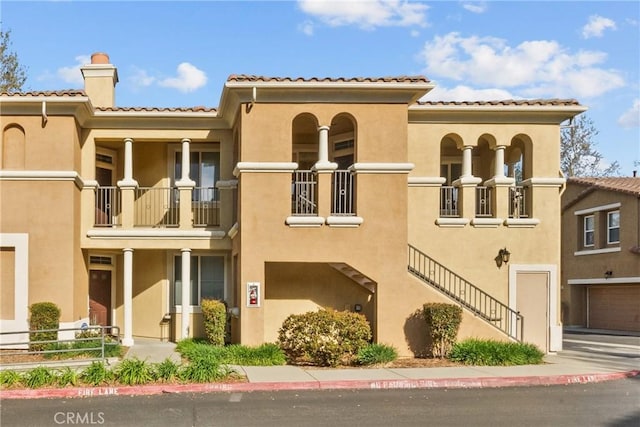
x: 198, y: 109
x: 264, y: 79
x: 65, y: 92
x: 506, y: 102
x: 630, y: 185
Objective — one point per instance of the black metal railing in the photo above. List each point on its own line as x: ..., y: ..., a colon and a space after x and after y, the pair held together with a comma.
x: 463, y: 292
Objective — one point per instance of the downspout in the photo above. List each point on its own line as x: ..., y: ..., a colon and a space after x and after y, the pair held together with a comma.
x: 44, y: 113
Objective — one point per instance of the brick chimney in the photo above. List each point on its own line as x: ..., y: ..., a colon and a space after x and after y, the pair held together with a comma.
x: 100, y: 78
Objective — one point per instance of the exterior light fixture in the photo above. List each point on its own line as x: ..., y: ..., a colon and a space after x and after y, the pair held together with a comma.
x: 608, y: 274
x: 503, y: 257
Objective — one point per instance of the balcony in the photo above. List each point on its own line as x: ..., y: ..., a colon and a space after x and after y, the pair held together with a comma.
x: 304, y: 201
x: 342, y: 191
x: 449, y: 202
x: 484, y: 202
x: 157, y: 207
x: 518, y: 202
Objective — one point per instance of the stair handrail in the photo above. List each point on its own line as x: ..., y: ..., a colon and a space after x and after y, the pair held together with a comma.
x: 480, y: 303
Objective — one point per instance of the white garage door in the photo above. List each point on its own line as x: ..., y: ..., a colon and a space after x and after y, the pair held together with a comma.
x: 614, y: 307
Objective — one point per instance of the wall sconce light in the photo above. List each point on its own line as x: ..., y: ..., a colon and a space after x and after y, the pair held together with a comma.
x: 608, y: 274
x: 357, y: 308
x: 503, y: 257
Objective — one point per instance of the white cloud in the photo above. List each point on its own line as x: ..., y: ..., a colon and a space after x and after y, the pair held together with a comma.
x: 631, y: 117
x: 72, y: 74
x: 366, y: 14
x: 476, y: 7
x: 306, y: 27
x: 140, y: 78
x: 538, y: 67
x: 189, y: 78
x: 596, y: 26
x: 466, y: 93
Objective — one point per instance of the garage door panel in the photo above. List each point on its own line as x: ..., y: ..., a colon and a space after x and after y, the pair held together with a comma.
x: 614, y: 307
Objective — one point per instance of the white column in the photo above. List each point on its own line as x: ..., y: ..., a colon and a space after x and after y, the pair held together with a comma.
x: 186, y: 292
x: 128, y: 159
x: 466, y: 161
x: 128, y: 180
x: 127, y: 340
x: 186, y: 165
x: 323, y: 144
x: 499, y: 171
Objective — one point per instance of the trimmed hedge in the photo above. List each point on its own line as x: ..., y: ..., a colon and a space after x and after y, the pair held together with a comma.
x: 214, y: 315
x: 443, y: 321
x: 325, y: 337
x: 43, y: 315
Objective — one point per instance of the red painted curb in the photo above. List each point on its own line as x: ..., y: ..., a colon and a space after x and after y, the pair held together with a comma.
x: 481, y: 382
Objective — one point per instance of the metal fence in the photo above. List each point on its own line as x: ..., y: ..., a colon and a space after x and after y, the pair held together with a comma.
x: 518, y: 202
x: 343, y: 193
x: 156, y: 207
x: 448, y: 201
x: 205, y: 205
x: 107, y: 206
x: 304, y: 200
x: 16, y: 345
x: 483, y: 201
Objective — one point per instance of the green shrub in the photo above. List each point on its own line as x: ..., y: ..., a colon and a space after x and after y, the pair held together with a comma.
x: 85, y: 348
x: 134, y: 372
x: 443, y: 321
x: 214, y: 315
x: 9, y: 378
x: 38, y: 377
x: 43, y: 315
x: 66, y: 377
x: 325, y: 337
x: 495, y: 353
x: 96, y: 374
x: 374, y: 354
x: 203, y: 370
x: 167, y: 370
x: 235, y: 354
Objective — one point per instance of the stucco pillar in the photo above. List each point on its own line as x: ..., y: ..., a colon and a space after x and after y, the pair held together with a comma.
x: 185, y: 186
x: 324, y: 169
x: 127, y: 340
x: 499, y: 161
x: 466, y: 161
x: 186, y: 292
x: 127, y: 186
x: 323, y: 144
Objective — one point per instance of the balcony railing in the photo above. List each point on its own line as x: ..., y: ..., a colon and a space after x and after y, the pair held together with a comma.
x: 205, y: 205
x: 343, y: 189
x: 483, y: 201
x: 304, y: 200
x: 107, y: 210
x: 518, y: 196
x: 156, y: 207
x: 448, y: 201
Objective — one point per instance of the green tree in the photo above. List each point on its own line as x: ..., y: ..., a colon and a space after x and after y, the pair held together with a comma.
x: 578, y: 153
x: 12, y: 74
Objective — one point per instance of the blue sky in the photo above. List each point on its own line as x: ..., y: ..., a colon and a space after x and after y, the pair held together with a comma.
x: 180, y: 53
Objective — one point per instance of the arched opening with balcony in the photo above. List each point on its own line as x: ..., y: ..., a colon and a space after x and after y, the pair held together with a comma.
x: 342, y: 152
x: 304, y: 152
x: 518, y: 162
x: 450, y: 171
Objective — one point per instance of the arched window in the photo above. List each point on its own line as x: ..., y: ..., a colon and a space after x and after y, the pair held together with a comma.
x: 304, y: 141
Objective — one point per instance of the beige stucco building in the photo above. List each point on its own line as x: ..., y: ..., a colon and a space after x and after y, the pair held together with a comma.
x: 601, y: 253
x: 291, y: 195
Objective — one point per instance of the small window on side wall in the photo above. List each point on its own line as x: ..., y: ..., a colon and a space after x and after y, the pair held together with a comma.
x: 613, y: 227
x: 589, y: 232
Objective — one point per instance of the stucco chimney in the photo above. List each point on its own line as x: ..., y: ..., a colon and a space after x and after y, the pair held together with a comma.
x: 100, y: 78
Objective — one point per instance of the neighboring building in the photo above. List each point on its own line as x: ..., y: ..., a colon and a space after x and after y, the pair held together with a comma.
x: 293, y: 194
x: 601, y: 253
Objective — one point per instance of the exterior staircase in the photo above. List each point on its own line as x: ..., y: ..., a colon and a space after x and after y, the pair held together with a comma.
x: 466, y: 294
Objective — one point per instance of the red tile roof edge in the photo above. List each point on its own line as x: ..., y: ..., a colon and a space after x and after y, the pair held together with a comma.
x: 629, y: 185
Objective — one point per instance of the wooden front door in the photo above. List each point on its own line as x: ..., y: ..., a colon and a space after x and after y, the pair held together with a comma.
x: 100, y: 297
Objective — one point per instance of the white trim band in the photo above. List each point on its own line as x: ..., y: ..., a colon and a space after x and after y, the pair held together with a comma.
x: 486, y: 222
x: 26, y: 175
x: 155, y: 234
x: 381, y: 167
x: 344, y: 221
x: 452, y: 222
x: 597, y: 251
x: 544, y: 182
x: 521, y: 222
x: 304, y: 221
x: 285, y: 167
x: 611, y: 281
x: 598, y: 209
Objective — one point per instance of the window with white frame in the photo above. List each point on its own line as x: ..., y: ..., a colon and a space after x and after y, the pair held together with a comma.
x: 589, y: 230
x: 207, y: 279
x: 613, y: 227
